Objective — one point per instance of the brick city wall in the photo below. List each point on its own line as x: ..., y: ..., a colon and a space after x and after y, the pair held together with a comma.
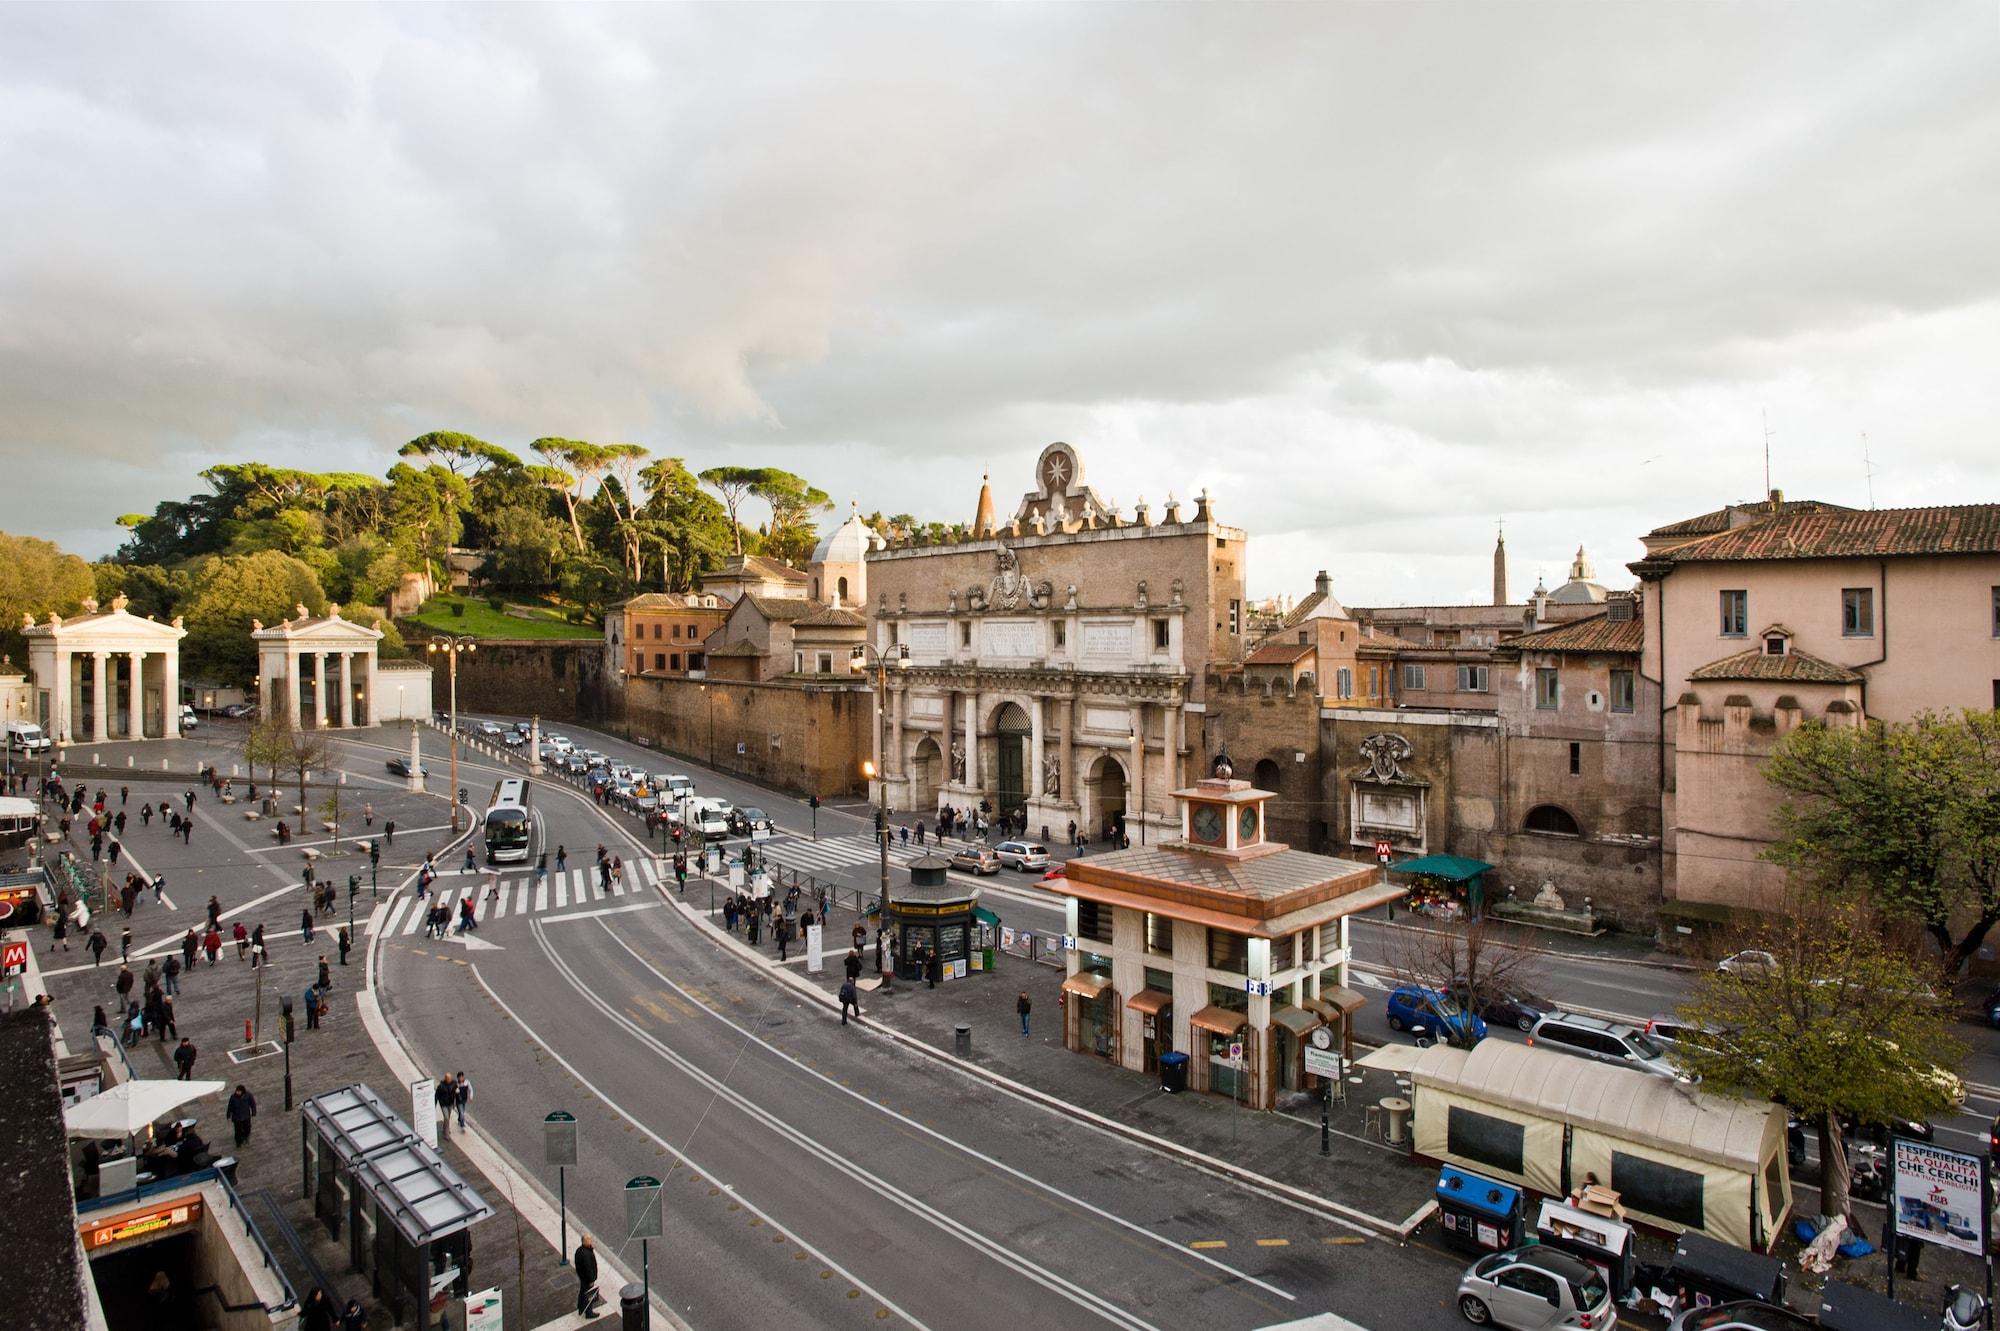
x: 1264, y: 733
x: 559, y: 681
x: 806, y: 738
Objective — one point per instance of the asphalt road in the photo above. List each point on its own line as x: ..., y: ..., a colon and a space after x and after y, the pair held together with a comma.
x: 816, y: 1175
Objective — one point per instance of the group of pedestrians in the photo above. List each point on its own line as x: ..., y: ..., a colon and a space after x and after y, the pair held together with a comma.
x: 451, y: 1095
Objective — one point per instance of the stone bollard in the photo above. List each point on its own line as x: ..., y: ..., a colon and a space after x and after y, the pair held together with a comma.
x: 961, y: 1036
x: 131, y: 760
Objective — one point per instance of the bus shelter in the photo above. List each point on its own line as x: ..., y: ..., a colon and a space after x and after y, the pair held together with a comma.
x: 404, y: 1212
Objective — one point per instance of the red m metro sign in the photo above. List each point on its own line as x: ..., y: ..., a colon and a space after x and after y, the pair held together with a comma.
x: 13, y: 957
x: 1382, y: 849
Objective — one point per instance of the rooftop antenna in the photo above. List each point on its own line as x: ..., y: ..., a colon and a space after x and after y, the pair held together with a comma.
x: 1868, y: 468
x: 1765, y: 416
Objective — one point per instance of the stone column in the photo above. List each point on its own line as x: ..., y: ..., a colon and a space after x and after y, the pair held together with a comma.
x: 100, y: 697
x: 170, y: 693
x: 62, y: 709
x: 950, y: 722
x: 1135, y: 793
x: 1037, y: 740
x: 346, y: 713
x: 319, y: 690
x: 295, y: 704
x: 1174, y: 742
x: 135, y: 697
x: 373, y: 714
x: 972, y: 741
x: 898, y: 700
x: 1070, y: 792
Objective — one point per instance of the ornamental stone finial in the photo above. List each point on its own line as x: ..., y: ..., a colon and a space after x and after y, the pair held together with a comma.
x: 90, y: 605
x: 256, y: 626
x: 119, y: 602
x: 333, y: 610
x: 299, y: 607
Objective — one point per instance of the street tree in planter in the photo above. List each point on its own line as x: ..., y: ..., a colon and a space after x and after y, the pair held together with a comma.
x: 1846, y: 1025
x: 1478, y: 964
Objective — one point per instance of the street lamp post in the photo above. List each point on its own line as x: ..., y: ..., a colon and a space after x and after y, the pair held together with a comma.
x: 451, y: 646
x: 857, y: 662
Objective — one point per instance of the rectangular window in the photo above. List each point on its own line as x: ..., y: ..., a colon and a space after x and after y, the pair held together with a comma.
x: 1302, y: 637
x: 1228, y: 951
x: 825, y: 663
x: 1618, y: 610
x: 1413, y: 676
x: 1371, y: 681
x: 1735, y: 614
x: 677, y: 631
x: 1235, y: 616
x: 1996, y: 612
x: 695, y: 661
x: 1658, y: 1189
x: 1621, y: 691
x: 1548, y: 689
x: 965, y: 635
x: 1093, y: 921
x: 656, y: 630
x: 1159, y: 935
x: 1857, y: 612
x: 1344, y: 682
x: 1061, y: 629
x: 1484, y: 1139
x: 1471, y: 679
x: 1159, y: 635
x: 659, y: 661
x: 892, y: 632
x: 798, y: 663
x: 1575, y: 758
x: 674, y: 661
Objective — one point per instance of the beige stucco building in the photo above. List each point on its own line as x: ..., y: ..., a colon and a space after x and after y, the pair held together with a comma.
x: 1762, y: 616
x: 318, y: 669
x: 107, y: 674
x: 1055, y: 660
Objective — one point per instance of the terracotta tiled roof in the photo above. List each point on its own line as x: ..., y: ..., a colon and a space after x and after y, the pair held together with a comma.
x: 1708, y: 524
x: 1795, y: 667
x: 1599, y: 633
x: 656, y: 601
x: 782, y: 609
x: 1966, y: 529
x: 1279, y: 653
x: 770, y: 568
x: 831, y: 616
x: 1305, y: 607
x: 742, y: 648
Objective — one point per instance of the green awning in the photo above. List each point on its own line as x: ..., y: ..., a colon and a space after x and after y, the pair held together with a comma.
x: 1454, y: 867
x: 985, y: 916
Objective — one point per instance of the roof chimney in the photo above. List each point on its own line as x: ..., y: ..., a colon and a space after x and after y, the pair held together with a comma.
x: 1323, y: 584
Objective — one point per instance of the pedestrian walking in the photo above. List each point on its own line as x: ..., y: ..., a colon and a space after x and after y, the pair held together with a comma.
x: 312, y: 1007
x: 305, y: 926
x: 118, y: 823
x: 59, y: 931
x: 184, y: 1056
x: 445, y: 1096
x: 187, y: 831
x: 471, y: 863
x: 784, y: 932
x: 125, y: 944
x: 146, y: 815
x: 170, y: 976
x: 159, y: 889
x: 389, y: 832
x: 317, y: 1313
x: 165, y: 1018
x: 346, y: 945
x: 190, y: 801
x: 850, y: 1000
x: 211, y: 943
x: 190, y: 944
x: 115, y: 849
x: 214, y: 913
x: 562, y: 858
x: 123, y: 984
x: 461, y: 1096
x: 325, y: 974
x: 1023, y: 1006
x: 585, y: 1262
x: 241, y: 1109
x: 853, y: 963
x: 368, y: 815
x: 124, y: 793
x: 242, y: 937
x: 354, y: 1317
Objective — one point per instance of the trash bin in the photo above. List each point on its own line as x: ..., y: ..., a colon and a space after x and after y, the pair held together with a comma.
x: 633, y: 1314
x: 961, y: 1040
x: 1173, y: 1072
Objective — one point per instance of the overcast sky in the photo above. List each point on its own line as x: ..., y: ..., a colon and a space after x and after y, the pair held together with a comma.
x: 1376, y: 275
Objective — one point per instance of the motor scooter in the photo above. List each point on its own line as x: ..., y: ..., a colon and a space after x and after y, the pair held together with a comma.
x: 1964, y: 1310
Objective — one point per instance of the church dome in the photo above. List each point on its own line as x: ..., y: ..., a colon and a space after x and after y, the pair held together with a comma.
x: 849, y: 543
x: 1582, y: 587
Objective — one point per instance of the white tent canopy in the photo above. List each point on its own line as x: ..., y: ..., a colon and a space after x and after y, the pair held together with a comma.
x: 128, y: 1107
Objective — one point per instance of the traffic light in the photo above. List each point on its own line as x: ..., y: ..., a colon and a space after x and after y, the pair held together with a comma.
x: 353, y: 883
x: 374, y: 853
x: 812, y: 802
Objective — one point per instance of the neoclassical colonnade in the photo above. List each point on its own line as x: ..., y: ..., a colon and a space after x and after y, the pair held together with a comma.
x: 1061, y: 727
x: 107, y: 674
x: 340, y: 657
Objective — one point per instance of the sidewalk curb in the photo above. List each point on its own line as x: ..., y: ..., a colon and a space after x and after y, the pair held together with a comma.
x: 523, y: 1192
x: 1284, y: 1192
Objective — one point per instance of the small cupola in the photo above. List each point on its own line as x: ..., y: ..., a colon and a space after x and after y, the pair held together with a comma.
x: 1223, y: 816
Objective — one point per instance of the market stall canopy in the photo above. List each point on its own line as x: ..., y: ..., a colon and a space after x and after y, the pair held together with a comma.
x: 1456, y: 868
x: 1086, y: 984
x: 129, y: 1106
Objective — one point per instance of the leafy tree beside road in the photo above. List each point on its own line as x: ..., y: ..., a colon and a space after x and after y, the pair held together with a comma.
x: 1844, y: 1026
x: 1908, y: 815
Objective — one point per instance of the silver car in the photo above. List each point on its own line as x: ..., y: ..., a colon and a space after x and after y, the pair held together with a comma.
x: 1536, y: 1289
x: 1023, y: 855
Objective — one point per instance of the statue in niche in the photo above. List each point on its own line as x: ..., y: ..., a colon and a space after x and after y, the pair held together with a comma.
x: 958, y: 763
x: 1385, y: 755
x: 1178, y: 589
x: 1141, y: 602
x: 1222, y: 769
x: 951, y: 601
x: 1008, y: 586
x: 1051, y: 778
x: 902, y: 601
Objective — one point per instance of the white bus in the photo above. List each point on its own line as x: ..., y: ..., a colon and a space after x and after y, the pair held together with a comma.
x: 507, y: 824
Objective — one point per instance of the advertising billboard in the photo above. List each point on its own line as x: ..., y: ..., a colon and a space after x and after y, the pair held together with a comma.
x: 1938, y: 1196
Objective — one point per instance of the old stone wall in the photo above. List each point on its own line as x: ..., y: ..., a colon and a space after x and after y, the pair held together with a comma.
x: 1272, y: 737
x: 805, y: 738
x: 558, y: 680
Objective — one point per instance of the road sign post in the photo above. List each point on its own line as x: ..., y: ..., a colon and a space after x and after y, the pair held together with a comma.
x: 642, y: 1222
x: 559, y: 1149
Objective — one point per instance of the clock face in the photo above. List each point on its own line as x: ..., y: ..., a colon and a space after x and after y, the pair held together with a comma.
x: 1207, y: 821
x: 1246, y: 823
x: 1322, y: 1038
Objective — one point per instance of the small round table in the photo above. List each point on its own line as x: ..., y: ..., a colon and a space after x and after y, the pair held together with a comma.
x: 1397, y: 1111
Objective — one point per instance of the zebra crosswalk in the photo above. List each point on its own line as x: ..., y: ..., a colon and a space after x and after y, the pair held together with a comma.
x: 837, y: 852
x: 519, y: 896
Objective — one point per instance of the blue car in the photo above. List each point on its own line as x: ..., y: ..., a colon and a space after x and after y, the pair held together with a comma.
x: 1411, y: 1005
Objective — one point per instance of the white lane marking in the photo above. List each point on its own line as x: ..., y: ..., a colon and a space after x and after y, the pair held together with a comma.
x: 562, y: 890
x: 498, y: 903
x: 682, y: 1157
x: 602, y: 910
x: 541, y: 896
x: 937, y: 1136
x: 417, y: 916
x: 826, y: 1155
x: 521, y: 897
x: 388, y: 924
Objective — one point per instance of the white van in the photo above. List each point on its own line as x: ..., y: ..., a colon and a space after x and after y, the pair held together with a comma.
x: 188, y: 720
x: 674, y: 785
x: 711, y: 818
x: 26, y: 736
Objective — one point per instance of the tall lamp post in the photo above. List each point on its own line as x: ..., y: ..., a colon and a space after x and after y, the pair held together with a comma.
x: 451, y: 646
x: 857, y: 662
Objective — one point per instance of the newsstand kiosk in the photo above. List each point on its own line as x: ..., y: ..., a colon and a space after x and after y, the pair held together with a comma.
x: 1476, y: 1213
x: 1603, y: 1241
